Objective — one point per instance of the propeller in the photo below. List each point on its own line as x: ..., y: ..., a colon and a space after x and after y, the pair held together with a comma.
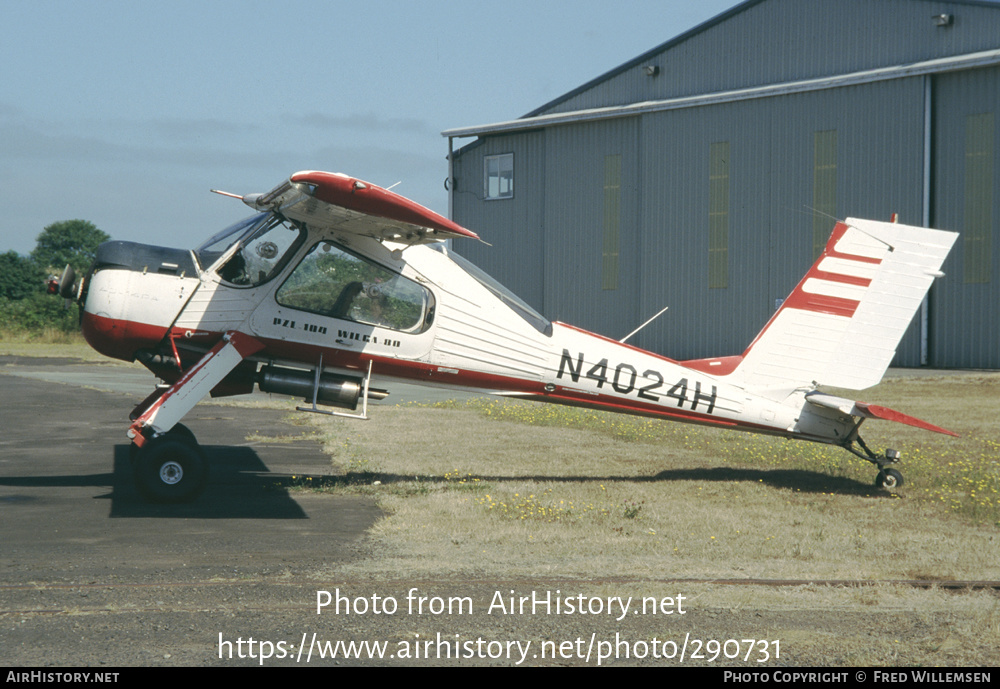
x: 67, y: 288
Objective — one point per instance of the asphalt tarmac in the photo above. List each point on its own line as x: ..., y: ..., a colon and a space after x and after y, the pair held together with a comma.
x: 88, y: 569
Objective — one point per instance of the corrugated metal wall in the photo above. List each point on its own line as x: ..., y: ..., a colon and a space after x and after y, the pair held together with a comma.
x: 771, y: 219
x: 574, y: 241
x: 966, y: 310
x: 513, y: 227
x: 777, y: 41
x: 551, y: 240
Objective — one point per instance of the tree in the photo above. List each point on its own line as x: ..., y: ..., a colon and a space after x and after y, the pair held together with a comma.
x: 71, y: 241
x: 19, y: 276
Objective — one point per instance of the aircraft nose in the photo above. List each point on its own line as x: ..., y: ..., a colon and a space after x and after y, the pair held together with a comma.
x: 134, y: 293
x: 106, y: 320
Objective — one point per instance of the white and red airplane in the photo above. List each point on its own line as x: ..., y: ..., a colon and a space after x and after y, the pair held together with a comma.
x: 337, y: 287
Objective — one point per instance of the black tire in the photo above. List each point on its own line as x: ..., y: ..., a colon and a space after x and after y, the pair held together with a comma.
x: 182, y: 432
x: 170, y: 470
x: 178, y: 432
x: 890, y: 479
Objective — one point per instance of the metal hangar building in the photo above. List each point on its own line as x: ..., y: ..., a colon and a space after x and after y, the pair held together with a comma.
x: 707, y: 173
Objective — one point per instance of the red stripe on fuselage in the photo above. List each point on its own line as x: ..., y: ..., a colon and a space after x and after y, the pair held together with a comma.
x: 144, y: 336
x: 420, y: 372
x: 119, y: 339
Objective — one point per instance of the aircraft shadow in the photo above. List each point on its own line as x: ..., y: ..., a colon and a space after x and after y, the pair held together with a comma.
x: 239, y: 487
x: 792, y: 479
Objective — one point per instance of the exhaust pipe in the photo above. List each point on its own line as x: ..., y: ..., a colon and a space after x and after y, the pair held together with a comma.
x: 331, y: 389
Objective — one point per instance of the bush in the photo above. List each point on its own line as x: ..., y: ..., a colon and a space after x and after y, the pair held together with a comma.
x: 27, y: 312
x: 19, y: 276
x: 38, y: 312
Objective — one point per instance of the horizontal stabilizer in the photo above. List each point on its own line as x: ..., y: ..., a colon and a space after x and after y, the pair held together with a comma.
x: 871, y: 411
x: 877, y: 412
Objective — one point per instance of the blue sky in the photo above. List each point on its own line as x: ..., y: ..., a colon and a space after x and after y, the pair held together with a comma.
x: 126, y: 113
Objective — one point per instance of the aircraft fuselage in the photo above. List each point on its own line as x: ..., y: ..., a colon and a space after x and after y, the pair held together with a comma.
x: 413, y: 313
x: 338, y: 287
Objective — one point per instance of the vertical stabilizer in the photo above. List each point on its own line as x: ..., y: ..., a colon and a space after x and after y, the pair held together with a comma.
x: 842, y: 323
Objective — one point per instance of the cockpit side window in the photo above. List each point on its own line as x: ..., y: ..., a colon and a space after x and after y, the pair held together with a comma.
x: 331, y: 281
x: 262, y: 256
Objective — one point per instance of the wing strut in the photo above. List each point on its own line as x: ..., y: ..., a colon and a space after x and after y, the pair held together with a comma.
x: 197, y: 382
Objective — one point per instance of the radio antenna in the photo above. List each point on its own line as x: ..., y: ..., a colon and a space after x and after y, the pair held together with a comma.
x: 644, y: 324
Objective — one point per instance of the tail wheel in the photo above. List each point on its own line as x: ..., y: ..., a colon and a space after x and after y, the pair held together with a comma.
x: 170, y: 469
x: 889, y: 479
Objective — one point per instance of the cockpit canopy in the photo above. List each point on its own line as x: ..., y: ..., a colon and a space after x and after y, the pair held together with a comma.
x: 252, y: 251
x: 335, y: 282
x: 331, y: 281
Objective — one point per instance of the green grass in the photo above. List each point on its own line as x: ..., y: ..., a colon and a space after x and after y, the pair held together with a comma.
x: 508, y: 488
x: 961, y: 475
x: 19, y: 338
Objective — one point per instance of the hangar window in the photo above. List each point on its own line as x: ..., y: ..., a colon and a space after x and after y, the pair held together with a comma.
x: 718, y: 215
x: 499, y: 176
x: 612, y: 220
x: 824, y: 187
x: 977, y: 250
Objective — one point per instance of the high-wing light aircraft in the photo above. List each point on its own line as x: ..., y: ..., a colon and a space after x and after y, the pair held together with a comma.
x: 337, y: 287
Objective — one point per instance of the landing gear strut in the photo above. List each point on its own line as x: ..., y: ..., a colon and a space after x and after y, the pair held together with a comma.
x: 886, y: 478
x: 170, y: 467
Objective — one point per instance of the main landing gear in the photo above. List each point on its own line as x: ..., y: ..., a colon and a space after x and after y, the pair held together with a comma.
x: 887, y: 478
x: 170, y: 467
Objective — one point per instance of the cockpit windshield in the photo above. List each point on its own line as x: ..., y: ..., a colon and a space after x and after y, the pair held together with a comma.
x: 514, y: 302
x: 266, y: 241
x: 212, y: 249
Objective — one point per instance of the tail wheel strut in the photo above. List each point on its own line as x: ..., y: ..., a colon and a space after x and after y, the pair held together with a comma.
x: 886, y: 478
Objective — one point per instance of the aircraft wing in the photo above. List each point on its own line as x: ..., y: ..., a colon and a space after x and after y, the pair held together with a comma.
x: 345, y: 204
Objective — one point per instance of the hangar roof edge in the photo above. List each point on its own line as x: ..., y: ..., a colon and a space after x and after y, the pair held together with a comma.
x: 704, y: 26
x: 952, y: 63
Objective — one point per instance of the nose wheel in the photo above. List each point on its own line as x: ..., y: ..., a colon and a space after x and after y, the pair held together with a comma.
x: 170, y: 468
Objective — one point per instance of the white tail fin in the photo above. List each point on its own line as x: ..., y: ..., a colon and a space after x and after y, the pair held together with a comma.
x: 842, y: 323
